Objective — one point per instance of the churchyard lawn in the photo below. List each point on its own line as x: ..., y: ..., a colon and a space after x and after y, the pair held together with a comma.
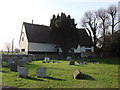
x: 60, y: 75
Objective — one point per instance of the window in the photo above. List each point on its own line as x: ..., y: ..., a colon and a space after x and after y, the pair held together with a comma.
x: 88, y: 50
x: 22, y: 50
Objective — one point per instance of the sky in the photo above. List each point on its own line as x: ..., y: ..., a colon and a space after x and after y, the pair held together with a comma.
x: 14, y: 12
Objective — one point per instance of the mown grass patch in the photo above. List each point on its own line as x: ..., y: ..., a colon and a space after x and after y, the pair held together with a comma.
x: 60, y: 75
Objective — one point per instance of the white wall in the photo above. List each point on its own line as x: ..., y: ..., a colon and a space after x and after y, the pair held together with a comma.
x: 23, y: 44
x: 82, y: 49
x: 78, y: 49
x: 42, y: 47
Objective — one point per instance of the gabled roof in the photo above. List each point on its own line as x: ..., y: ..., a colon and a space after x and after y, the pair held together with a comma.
x: 37, y: 33
x: 41, y: 34
x: 84, y: 38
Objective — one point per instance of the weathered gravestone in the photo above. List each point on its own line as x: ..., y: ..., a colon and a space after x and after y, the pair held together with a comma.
x: 25, y: 60
x: 9, y: 61
x: 71, y: 62
x: 47, y: 59
x: 13, y: 67
x: 78, y: 75
x: 20, y: 63
x: 41, y: 72
x: 69, y: 58
x: 22, y: 72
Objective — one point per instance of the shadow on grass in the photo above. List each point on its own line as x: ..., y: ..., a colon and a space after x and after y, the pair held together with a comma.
x: 32, y: 78
x: 88, y: 77
x: 55, y: 79
x: 4, y: 71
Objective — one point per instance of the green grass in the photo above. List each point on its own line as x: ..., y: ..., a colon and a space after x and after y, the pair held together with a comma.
x: 103, y: 75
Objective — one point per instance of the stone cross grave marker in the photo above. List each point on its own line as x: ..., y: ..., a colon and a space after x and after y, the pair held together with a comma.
x: 41, y: 72
x: 22, y: 72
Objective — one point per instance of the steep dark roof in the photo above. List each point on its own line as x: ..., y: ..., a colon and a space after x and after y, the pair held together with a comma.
x: 84, y: 39
x: 39, y: 33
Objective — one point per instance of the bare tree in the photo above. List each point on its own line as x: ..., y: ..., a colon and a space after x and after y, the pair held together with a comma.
x: 103, y: 21
x: 90, y: 22
x: 8, y: 46
x: 112, y: 11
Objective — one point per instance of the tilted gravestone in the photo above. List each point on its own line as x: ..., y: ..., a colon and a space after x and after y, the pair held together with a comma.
x: 22, y: 72
x: 41, y: 72
x: 13, y: 67
x: 71, y: 62
x: 78, y: 75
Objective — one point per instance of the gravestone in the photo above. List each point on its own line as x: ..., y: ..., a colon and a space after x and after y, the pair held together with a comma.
x: 41, y: 72
x: 9, y: 61
x: 20, y: 63
x: 22, y: 72
x: 69, y: 58
x: 13, y: 67
x: 78, y: 75
x: 71, y: 62
x: 25, y: 60
x: 15, y: 60
x: 47, y: 59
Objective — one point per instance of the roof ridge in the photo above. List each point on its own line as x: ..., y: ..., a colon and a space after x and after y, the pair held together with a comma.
x: 34, y: 24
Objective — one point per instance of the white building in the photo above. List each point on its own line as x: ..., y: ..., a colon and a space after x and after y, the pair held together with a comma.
x: 35, y: 39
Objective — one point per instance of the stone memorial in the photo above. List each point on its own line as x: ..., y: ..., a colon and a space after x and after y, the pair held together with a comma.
x: 69, y: 58
x: 9, y: 61
x: 71, y: 62
x: 22, y: 72
x: 41, y: 72
x: 20, y: 63
x: 47, y: 59
x: 78, y: 75
x: 13, y: 67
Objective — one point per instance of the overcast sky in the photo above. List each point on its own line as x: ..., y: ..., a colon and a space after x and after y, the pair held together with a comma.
x: 14, y: 12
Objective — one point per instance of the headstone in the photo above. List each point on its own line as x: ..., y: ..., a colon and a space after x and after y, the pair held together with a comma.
x: 47, y: 59
x: 69, y: 58
x: 71, y: 62
x: 41, y: 72
x: 13, y: 67
x: 78, y: 75
x: 9, y: 61
x: 15, y: 59
x: 22, y: 72
x: 25, y: 60
x: 20, y: 63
